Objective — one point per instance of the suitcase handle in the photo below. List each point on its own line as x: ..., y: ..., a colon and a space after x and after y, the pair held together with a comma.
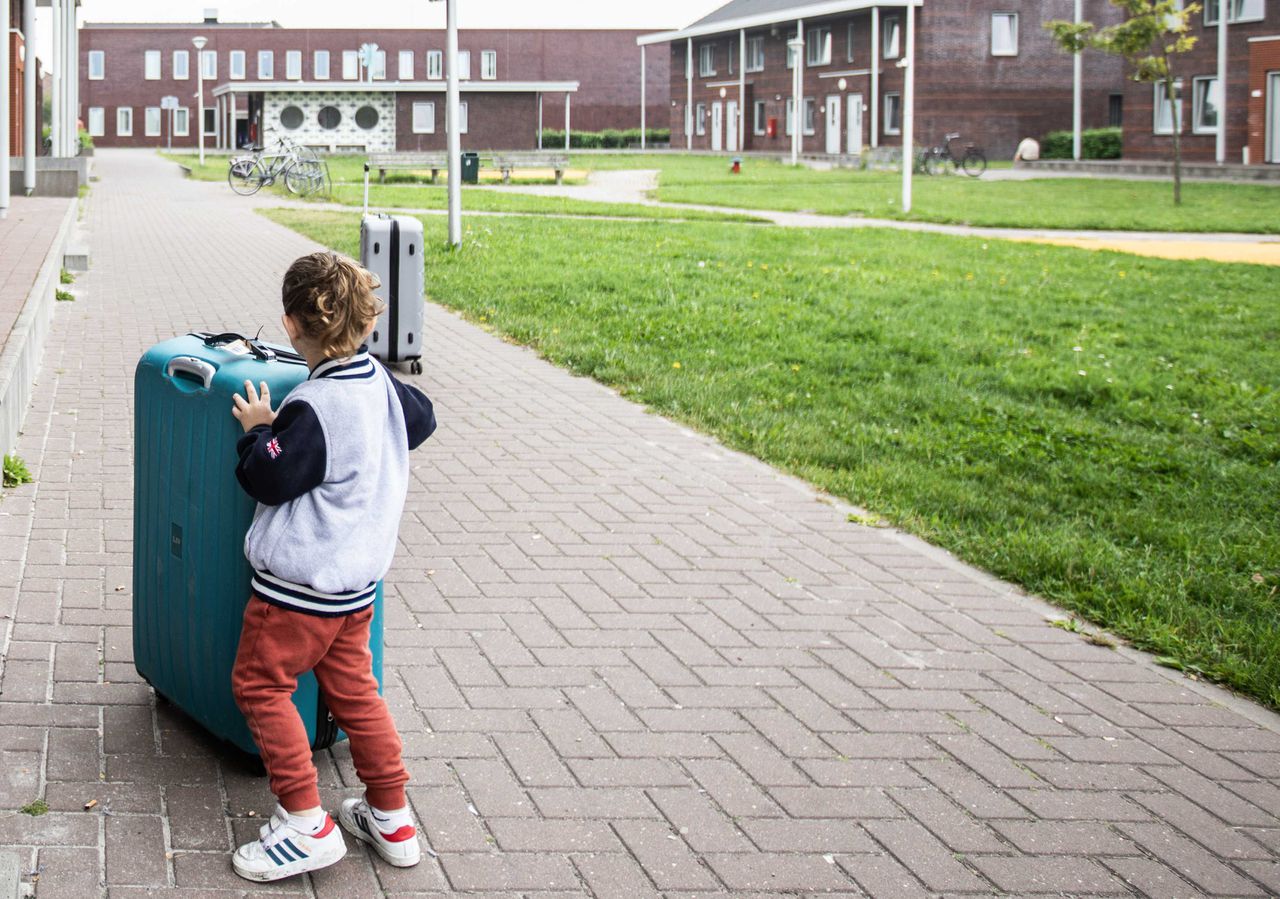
x: 190, y: 365
x: 260, y: 350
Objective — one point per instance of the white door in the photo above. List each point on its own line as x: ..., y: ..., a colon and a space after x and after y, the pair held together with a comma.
x: 1273, y: 117
x: 833, y: 125
x: 731, y: 121
x: 717, y: 126
x: 855, y: 124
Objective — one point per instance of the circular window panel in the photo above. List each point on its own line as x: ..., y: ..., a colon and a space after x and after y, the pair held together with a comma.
x: 366, y: 117
x: 291, y: 117
x: 329, y: 118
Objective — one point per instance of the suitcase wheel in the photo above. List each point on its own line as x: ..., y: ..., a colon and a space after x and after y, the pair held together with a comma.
x: 416, y: 366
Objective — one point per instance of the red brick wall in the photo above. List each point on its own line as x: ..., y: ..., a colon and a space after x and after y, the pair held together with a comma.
x: 15, y: 96
x: 509, y: 122
x: 1264, y: 59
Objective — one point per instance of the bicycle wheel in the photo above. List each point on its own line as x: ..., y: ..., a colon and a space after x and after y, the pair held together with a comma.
x: 975, y: 163
x: 245, y: 177
x: 298, y: 179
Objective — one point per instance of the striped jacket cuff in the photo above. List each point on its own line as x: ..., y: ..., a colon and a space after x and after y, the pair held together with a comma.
x: 301, y: 598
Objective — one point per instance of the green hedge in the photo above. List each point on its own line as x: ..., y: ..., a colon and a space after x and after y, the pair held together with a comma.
x: 609, y: 139
x: 1096, y: 143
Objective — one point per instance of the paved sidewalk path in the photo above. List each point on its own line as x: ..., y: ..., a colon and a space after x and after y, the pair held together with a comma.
x: 626, y: 661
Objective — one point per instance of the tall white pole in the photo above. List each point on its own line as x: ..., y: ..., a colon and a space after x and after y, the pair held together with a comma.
x: 1220, y: 149
x: 643, y: 74
x: 4, y: 107
x: 742, y: 89
x: 909, y: 107
x: 198, y: 42
x: 1077, y: 92
x: 55, y: 100
x: 74, y: 70
x: 567, y: 97
x: 688, y: 101
x: 452, y: 124
x: 875, y: 77
x: 31, y: 117
x: 68, y: 117
x: 796, y: 47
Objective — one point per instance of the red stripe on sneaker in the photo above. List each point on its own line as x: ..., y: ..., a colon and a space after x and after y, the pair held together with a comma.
x: 324, y: 831
x: 403, y: 834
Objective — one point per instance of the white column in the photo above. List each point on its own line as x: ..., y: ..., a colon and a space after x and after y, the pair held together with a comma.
x: 688, y: 101
x: 908, y: 108
x: 451, y: 122
x: 31, y: 116
x: 221, y: 104
x: 567, y: 97
x: 796, y: 45
x: 1220, y: 148
x: 875, y: 77
x: 4, y: 108
x: 74, y: 73
x: 539, y: 120
x: 69, y: 136
x: 742, y: 89
x: 643, y: 73
x: 231, y: 114
x: 1077, y: 92
x: 55, y: 88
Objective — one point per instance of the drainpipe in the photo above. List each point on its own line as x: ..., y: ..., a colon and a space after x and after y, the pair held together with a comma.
x: 1220, y: 150
x: 875, y: 77
x: 688, y: 103
x: 642, y: 97
x: 31, y: 116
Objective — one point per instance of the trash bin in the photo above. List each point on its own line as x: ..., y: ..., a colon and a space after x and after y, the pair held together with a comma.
x: 471, y: 168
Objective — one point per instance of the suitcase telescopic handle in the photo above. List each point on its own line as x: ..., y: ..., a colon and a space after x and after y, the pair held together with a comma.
x: 190, y: 365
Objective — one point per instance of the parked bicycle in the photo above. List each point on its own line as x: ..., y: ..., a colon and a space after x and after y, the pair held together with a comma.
x: 301, y: 169
x: 943, y: 160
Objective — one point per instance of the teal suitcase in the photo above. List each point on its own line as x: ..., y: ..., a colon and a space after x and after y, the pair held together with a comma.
x: 190, y: 576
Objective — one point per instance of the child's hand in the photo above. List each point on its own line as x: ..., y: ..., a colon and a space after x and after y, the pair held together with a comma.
x: 254, y: 411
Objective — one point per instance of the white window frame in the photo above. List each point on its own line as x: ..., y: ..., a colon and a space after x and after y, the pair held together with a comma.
x: 700, y: 119
x: 488, y: 65
x: 707, y: 60
x: 320, y: 72
x: 152, y: 121
x: 426, y: 108
x: 124, y: 121
x: 181, y: 121
x: 892, y: 99
x: 1197, y: 104
x: 404, y: 65
x: 350, y: 65
x: 97, y: 121
x: 464, y: 117
x: 293, y: 65
x: 435, y: 65
x: 464, y: 67
x: 150, y: 65
x: 759, y: 117
x: 810, y: 115
x: 269, y: 58
x: 820, y: 40
x: 1239, y: 11
x: 181, y: 65
x: 100, y: 58
x: 850, y: 34
x: 891, y: 26
x: 209, y: 59
x: 1158, y: 100
x: 1004, y: 51
x: 755, y: 53
x: 236, y: 72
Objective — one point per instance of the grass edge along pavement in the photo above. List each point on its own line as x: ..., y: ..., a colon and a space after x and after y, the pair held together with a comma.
x: 1088, y: 425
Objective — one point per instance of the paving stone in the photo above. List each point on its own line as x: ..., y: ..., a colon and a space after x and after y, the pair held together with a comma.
x: 882, y: 876
x: 1151, y: 878
x: 135, y: 850
x: 1192, y: 862
x: 1070, y: 876
x: 778, y: 871
x: 614, y: 876
x: 664, y: 856
x: 959, y: 831
x: 931, y: 861
x: 508, y: 871
x: 698, y: 821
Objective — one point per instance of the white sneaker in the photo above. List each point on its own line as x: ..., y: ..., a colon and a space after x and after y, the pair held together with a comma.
x: 399, y: 848
x: 283, y: 851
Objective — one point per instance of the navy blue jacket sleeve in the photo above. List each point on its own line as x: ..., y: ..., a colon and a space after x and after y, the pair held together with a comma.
x: 282, y: 461
x: 419, y: 414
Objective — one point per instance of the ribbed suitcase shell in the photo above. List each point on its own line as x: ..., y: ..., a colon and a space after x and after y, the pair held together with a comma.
x: 190, y: 576
x: 391, y: 248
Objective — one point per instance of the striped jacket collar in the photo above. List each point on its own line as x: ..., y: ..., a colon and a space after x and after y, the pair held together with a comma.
x: 359, y: 366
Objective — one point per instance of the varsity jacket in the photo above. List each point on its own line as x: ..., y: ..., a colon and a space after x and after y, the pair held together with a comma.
x: 330, y: 476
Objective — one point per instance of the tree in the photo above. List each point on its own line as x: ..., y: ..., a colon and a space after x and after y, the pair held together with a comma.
x: 1152, y: 34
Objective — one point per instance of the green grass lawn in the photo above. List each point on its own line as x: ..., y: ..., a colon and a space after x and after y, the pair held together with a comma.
x: 1102, y: 429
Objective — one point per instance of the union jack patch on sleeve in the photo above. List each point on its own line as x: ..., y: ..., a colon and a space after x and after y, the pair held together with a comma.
x: 273, y: 448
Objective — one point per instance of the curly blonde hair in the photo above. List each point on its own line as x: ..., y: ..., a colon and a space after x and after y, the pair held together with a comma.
x: 331, y: 297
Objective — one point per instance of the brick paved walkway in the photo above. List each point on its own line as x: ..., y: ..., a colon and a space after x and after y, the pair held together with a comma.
x: 626, y: 661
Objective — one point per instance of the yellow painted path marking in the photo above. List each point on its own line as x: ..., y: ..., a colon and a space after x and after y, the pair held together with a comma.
x: 1261, y: 252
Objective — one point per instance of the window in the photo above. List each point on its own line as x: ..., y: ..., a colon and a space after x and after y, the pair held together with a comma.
x: 320, y: 65
x: 1237, y: 11
x: 291, y: 118
x: 97, y: 65
x: 435, y: 65
x: 366, y: 118
x: 424, y: 118
x: 464, y: 65
x: 810, y: 115
x: 124, y: 121
x: 755, y: 54
x: 181, y: 122
x: 209, y: 59
x: 463, y: 118
x: 211, y: 120
x: 849, y: 42
x: 97, y: 122
x: 1166, y: 110
x: 379, y: 68
x: 266, y: 65
x: 235, y: 61
x: 404, y: 69
x: 759, y: 119
x: 151, y: 65
x: 181, y: 65
x: 293, y: 65
x: 151, y: 121
x: 890, y: 35
x: 329, y: 118
x: 1004, y: 34
x: 706, y: 60
x: 1115, y: 110
x: 893, y: 113
x: 790, y: 120
x: 819, y: 47
x: 1206, y: 100
x: 700, y: 119
x: 350, y: 65
x: 489, y: 64
x: 732, y: 48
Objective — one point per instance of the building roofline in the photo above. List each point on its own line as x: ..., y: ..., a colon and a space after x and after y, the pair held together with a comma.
x: 364, y: 87
x: 187, y: 26
x: 802, y: 11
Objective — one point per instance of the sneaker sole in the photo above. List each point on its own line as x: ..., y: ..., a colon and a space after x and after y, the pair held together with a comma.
x: 352, y: 828
x: 314, y: 863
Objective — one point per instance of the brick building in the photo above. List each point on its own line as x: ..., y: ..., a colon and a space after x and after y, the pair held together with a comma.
x: 1253, y: 92
x: 19, y: 115
x: 512, y: 80
x: 984, y: 68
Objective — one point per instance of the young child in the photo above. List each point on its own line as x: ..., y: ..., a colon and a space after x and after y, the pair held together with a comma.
x: 330, y: 470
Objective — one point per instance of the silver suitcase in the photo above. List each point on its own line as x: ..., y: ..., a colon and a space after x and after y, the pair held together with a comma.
x: 391, y: 248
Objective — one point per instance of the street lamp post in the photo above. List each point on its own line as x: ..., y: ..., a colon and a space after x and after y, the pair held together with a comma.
x: 796, y: 47
x: 198, y: 42
x: 452, y: 111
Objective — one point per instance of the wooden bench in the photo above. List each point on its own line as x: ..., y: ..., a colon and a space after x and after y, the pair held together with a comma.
x: 505, y: 162
x: 436, y: 162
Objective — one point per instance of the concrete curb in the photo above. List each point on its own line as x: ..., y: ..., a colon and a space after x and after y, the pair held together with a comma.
x: 10, y: 876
